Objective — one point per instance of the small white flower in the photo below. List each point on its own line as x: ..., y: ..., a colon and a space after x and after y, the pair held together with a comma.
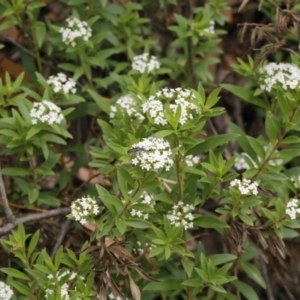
x: 145, y: 63
x: 63, y: 291
x: 156, y: 154
x: 285, y: 75
x: 296, y: 181
x: 210, y: 29
x: 6, y: 291
x: 61, y: 83
x: 181, y: 215
x: 145, y: 199
x: 191, y: 160
x: 46, y: 112
x: 175, y: 98
x: 84, y: 209
x: 240, y: 162
x: 246, y: 187
x: 76, y: 29
x: 292, y: 208
x: 128, y: 104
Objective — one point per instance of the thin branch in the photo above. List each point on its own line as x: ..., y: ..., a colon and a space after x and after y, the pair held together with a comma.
x: 34, y: 217
x: 8, y: 212
x: 63, y: 231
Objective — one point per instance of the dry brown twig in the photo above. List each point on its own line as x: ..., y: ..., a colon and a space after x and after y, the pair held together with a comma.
x: 13, y: 221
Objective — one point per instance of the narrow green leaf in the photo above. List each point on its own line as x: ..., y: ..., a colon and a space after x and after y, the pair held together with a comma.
x: 188, y: 266
x: 211, y: 143
x: 100, y: 101
x: 15, y: 172
x: 245, y: 94
x: 212, y: 98
x: 253, y: 273
x: 23, y: 289
x: 15, y: 273
x: 218, y: 259
x: 121, y: 225
x: 210, y: 222
x: 33, y: 242
x: 246, y: 290
x: 138, y: 223
x: 273, y: 129
x: 168, y: 284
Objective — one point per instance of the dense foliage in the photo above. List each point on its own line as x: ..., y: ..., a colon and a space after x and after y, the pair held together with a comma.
x: 127, y: 92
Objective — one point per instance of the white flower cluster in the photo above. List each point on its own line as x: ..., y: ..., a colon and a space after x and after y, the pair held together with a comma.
x: 46, y: 112
x: 296, y: 181
x: 145, y: 63
x: 241, y: 164
x: 154, y: 153
x: 61, y: 83
x: 64, y: 288
x: 286, y: 75
x: 5, y: 291
x: 175, y: 98
x: 210, y: 29
x: 83, y: 209
x: 292, y: 208
x: 246, y: 187
x: 192, y: 160
x: 182, y: 215
x: 76, y: 29
x: 146, y: 199
x: 141, y: 250
x: 128, y: 104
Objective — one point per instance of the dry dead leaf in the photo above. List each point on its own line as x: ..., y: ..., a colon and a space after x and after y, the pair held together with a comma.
x: 135, y: 291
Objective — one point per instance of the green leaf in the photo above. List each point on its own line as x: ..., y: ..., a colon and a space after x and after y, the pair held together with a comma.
x: 210, y: 222
x: 138, y: 223
x: 168, y: 284
x: 211, y: 142
x: 291, y: 139
x: 117, y: 148
x: 242, y: 140
x: 156, y: 251
x: 121, y: 225
x: 275, y: 176
x: 188, y: 266
x: 212, y: 98
x: 245, y: 94
x: 15, y: 273
x: 218, y: 259
x: 246, y: 290
x: 100, y: 101
x: 23, y: 289
x: 15, y: 172
x: 122, y: 176
x: 253, y: 273
x: 34, y: 130
x: 164, y: 133
x: 33, y: 195
x: 273, y: 129
x: 289, y: 153
x: 257, y: 147
x: 110, y: 201
x: 246, y: 219
x: 33, y: 242
x: 195, y: 282
x: 39, y: 30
